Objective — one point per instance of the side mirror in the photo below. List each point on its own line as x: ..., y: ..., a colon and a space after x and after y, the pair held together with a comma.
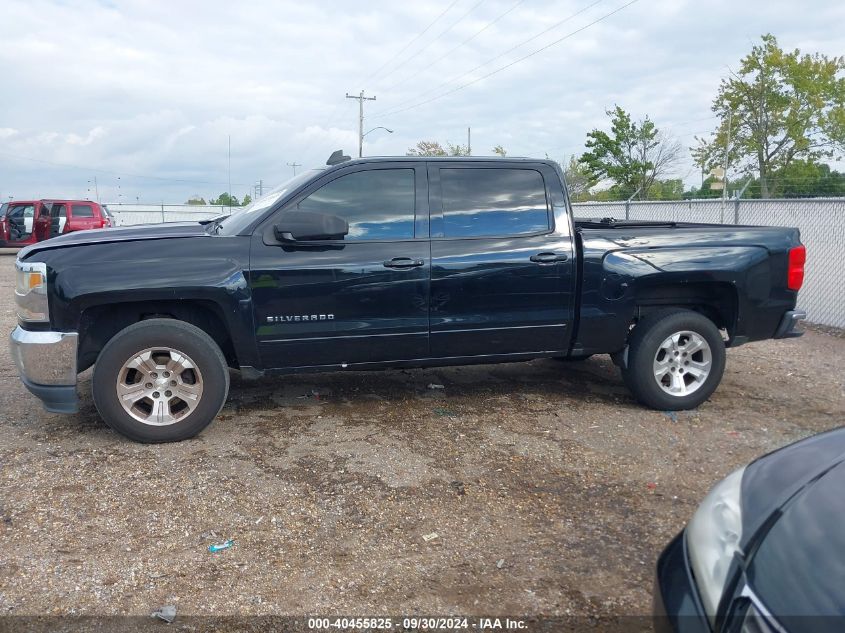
x: 303, y: 226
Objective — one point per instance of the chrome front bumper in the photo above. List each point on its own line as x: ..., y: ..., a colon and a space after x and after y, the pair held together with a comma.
x: 46, y: 362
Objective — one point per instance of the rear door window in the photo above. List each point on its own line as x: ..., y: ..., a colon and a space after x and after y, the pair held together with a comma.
x: 493, y: 202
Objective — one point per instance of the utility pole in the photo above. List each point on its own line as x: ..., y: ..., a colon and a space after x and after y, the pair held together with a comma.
x: 361, y: 99
x: 230, y: 172
x: 294, y: 164
x: 727, y: 149
x: 725, y: 181
x: 469, y: 141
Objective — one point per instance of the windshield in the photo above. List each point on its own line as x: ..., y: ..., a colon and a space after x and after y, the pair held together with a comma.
x: 242, y: 217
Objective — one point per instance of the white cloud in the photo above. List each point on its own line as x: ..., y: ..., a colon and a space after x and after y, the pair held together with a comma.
x: 138, y: 88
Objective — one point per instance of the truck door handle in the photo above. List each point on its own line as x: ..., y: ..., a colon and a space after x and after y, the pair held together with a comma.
x: 548, y: 258
x: 403, y: 262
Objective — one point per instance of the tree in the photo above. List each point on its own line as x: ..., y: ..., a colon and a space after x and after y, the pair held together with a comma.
x: 670, y: 189
x: 705, y: 192
x: 501, y: 151
x: 579, y: 180
x: 634, y: 155
x: 195, y: 200
x: 457, y: 150
x: 805, y: 179
x: 434, y: 148
x: 247, y: 200
x: 780, y: 107
x: 225, y: 200
x: 427, y: 148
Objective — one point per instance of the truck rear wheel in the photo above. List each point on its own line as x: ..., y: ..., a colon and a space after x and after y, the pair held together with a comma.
x: 676, y: 359
x: 160, y: 380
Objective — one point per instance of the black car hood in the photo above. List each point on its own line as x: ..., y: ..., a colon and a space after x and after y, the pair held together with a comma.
x: 772, y: 480
x: 118, y: 234
x: 799, y: 567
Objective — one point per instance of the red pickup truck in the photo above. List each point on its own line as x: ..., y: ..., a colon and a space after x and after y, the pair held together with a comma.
x: 24, y: 222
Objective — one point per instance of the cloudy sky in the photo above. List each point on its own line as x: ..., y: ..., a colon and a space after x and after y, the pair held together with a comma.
x: 144, y: 94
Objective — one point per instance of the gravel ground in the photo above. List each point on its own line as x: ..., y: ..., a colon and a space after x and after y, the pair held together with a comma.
x: 549, y: 489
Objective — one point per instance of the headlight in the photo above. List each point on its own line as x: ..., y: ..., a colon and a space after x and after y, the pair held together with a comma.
x: 713, y: 537
x: 31, y: 291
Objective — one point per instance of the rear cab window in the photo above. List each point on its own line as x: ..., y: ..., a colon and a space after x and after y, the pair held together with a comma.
x: 491, y: 202
x: 82, y: 211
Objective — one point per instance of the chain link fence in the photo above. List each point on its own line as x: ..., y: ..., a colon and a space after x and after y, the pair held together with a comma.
x: 130, y: 214
x: 820, y: 220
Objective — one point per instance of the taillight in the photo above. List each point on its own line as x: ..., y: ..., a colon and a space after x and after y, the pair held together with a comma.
x: 795, y: 272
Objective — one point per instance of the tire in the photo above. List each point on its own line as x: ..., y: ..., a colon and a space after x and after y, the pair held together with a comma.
x: 671, y: 347
x: 136, y: 362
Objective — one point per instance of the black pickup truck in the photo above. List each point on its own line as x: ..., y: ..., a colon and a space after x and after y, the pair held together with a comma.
x: 391, y: 262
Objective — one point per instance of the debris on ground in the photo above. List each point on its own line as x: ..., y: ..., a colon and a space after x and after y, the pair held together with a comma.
x: 458, y: 486
x: 672, y: 415
x: 564, y: 470
x: 500, y: 563
x: 434, y: 385
x: 440, y: 412
x: 430, y: 537
x: 221, y: 546
x: 166, y: 613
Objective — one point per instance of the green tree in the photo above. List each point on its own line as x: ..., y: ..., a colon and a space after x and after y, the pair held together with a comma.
x: 434, y: 148
x: 500, y: 151
x: 799, y: 179
x: 225, y: 200
x: 706, y: 191
x: 781, y: 107
x: 426, y: 148
x: 670, y: 189
x: 195, y: 200
x: 247, y: 200
x: 579, y: 180
x: 457, y: 150
x: 634, y: 155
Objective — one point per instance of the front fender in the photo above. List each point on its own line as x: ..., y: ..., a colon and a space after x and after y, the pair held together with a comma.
x: 209, y: 271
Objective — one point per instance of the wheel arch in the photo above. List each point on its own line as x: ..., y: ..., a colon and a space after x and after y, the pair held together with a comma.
x: 98, y: 324
x: 717, y: 300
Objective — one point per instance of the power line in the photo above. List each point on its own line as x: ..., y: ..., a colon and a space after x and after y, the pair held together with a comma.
x: 441, y: 34
x: 454, y: 48
x: 419, y: 35
x: 492, y: 59
x: 333, y: 114
x: 513, y: 63
x: 116, y: 173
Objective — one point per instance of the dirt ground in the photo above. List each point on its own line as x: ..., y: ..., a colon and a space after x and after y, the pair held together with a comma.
x: 549, y: 489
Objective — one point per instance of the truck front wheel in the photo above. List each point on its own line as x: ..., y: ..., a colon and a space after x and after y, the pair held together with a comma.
x: 676, y: 359
x: 160, y: 380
